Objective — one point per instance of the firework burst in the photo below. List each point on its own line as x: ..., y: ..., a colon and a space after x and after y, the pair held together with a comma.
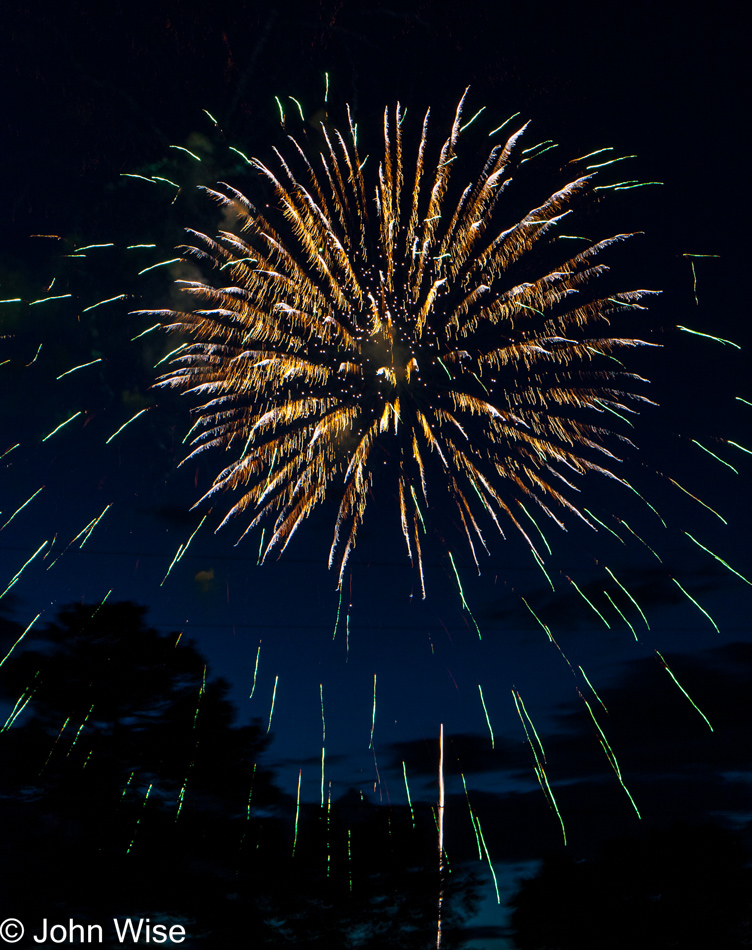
x: 394, y: 328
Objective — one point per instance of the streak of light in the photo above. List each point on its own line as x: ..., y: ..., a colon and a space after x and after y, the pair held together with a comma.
x: 472, y: 816
x: 20, y: 638
x: 255, y: 671
x: 718, y: 339
x: 138, y: 822
x: 297, y: 814
x: 373, y: 713
x: 22, y: 507
x: 692, y: 702
x: 132, y: 419
x: 540, y: 772
x: 595, y: 693
x: 23, y: 568
x: 441, y: 833
x: 80, y: 366
x: 611, y: 573
x: 462, y: 595
x: 699, y: 500
x: 271, y: 711
x: 407, y: 790
x: 483, y: 702
x: 488, y: 858
x: 719, y: 559
x: 610, y: 755
x: 173, y: 260
x: 623, y: 617
x: 103, y: 302
x: 46, y: 299
x: 588, y: 601
x: 716, y: 457
x: 183, y: 547
x: 74, y: 416
x: 186, y: 150
x: 699, y: 606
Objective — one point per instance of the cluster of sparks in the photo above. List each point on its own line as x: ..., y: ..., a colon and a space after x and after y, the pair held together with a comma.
x: 394, y: 328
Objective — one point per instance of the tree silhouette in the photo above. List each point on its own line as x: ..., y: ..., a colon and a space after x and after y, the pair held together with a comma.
x: 685, y: 888
x: 127, y: 789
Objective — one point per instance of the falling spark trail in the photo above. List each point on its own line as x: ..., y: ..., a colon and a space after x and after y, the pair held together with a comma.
x: 183, y: 547
x: 91, y: 526
x: 472, y: 816
x: 699, y: 500
x: 486, y: 712
x: 80, y: 366
x: 297, y: 814
x: 8, y: 451
x: 322, y: 776
x: 138, y: 822
x: 23, y: 568
x: 132, y: 419
x: 718, y: 339
x: 80, y: 730
x: 737, y: 446
x: 610, y: 755
x: 631, y: 531
x: 187, y: 151
x: 20, y: 638
x: 595, y: 693
x: 138, y: 336
x: 174, y: 260
x: 692, y: 702
x: 54, y: 744
x: 545, y: 627
x: 407, y: 790
x: 719, y: 559
x: 441, y: 833
x: 21, y: 508
x: 373, y: 713
x: 623, y: 617
x: 45, y: 299
x: 462, y: 594
x: 588, y: 602
x: 699, y: 607
x: 74, y: 416
x: 716, y: 457
x: 611, y: 573
x: 271, y: 711
x: 255, y: 671
x: 488, y: 858
x: 540, y: 772
x: 103, y: 302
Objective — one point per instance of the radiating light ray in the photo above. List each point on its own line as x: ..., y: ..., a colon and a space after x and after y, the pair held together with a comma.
x: 373, y: 713
x: 719, y: 559
x: 407, y: 790
x: 255, y: 671
x: 21, y: 508
x: 699, y: 606
x: 483, y: 702
x: 103, y: 302
x: 20, y: 638
x: 297, y: 813
x: 70, y: 419
x: 132, y: 419
x: 716, y: 457
x: 337, y: 368
x: 681, y: 688
x: 271, y: 710
x: 74, y: 368
x: 622, y: 587
x: 717, y: 339
x: 588, y: 601
x: 23, y: 568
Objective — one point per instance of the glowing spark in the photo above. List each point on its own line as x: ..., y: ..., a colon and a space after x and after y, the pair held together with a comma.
x: 92, y: 525
x: 138, y: 822
x: 300, y: 108
x: 80, y: 366
x: 22, y: 507
x: 407, y: 790
x: 39, y: 350
x: 488, y: 858
x: 74, y: 416
x: 490, y: 729
x: 133, y: 247
x: 610, y: 531
x: 472, y: 817
x: 699, y: 500
x: 132, y: 419
x: 144, y: 332
x: 183, y: 547
x: 326, y: 89
x: 214, y: 121
x: 540, y: 772
x: 631, y: 531
x: 271, y: 711
x: 692, y: 702
x: 80, y: 730
x: 8, y: 451
x: 142, y: 177
x: 737, y: 446
x: 699, y: 607
x: 623, y: 617
x: 584, y: 674
x: 462, y: 594
x: 543, y: 625
x: 500, y: 127
x: 241, y: 154
x: 610, y: 756
x: 610, y: 162
x: 166, y: 181
x: 441, y: 832
x: 20, y: 639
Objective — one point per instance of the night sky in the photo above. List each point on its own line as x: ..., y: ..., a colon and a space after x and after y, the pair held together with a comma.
x: 96, y: 93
